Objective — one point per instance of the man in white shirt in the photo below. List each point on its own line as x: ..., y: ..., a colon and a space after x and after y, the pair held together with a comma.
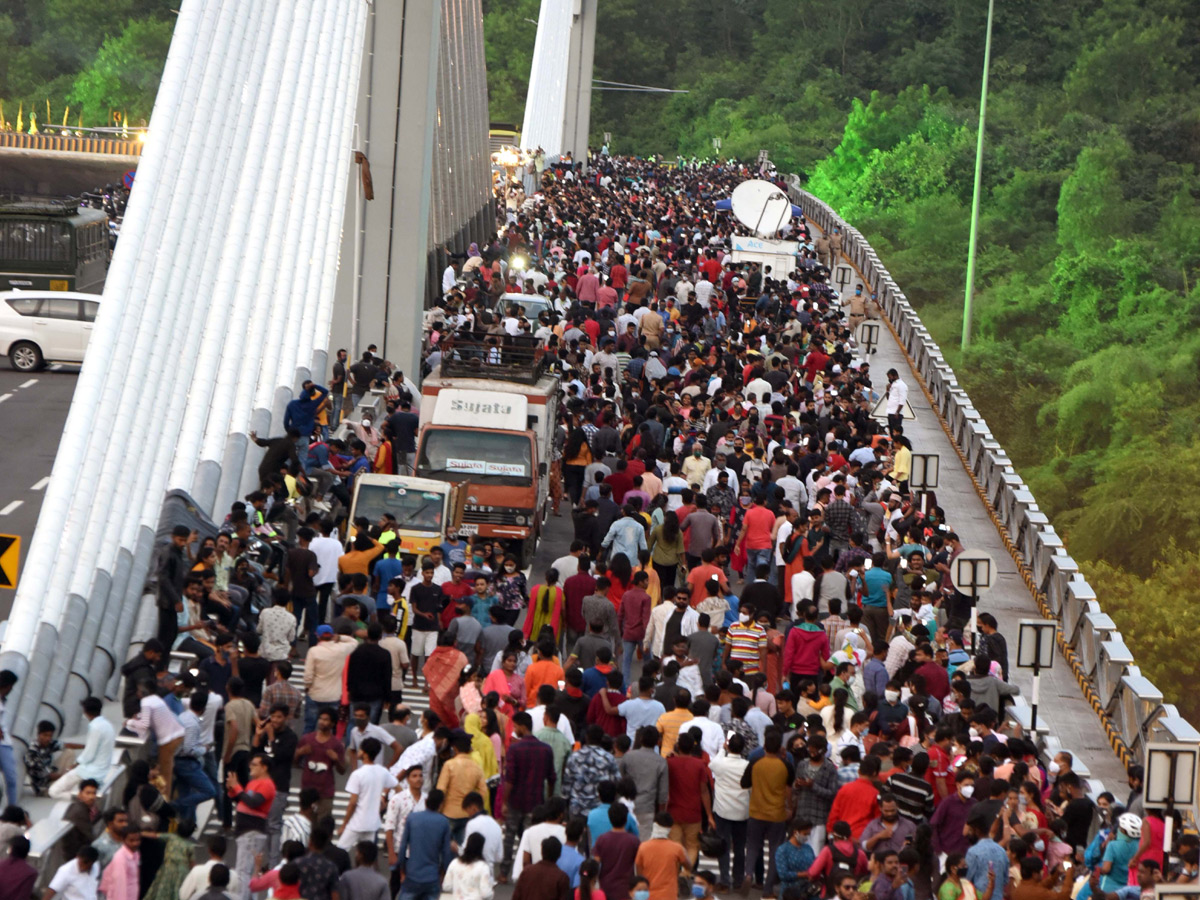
x: 78, y: 878
x: 366, y: 786
x: 710, y: 477
x: 480, y: 823
x: 95, y: 760
x: 712, y: 735
x: 196, y: 882
x: 897, y: 397
x: 731, y: 801
x: 793, y: 489
x: 327, y: 549
x: 449, y: 277
x: 363, y: 731
x: 155, y: 719
x: 568, y: 565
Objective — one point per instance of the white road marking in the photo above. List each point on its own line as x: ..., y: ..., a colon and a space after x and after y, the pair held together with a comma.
x: 30, y: 383
x: 41, y: 484
x: 4, y: 397
x: 12, y: 507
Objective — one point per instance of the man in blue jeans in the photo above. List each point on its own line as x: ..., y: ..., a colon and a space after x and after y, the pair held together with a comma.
x: 632, y: 618
x: 194, y: 784
x: 8, y: 762
x: 425, y: 851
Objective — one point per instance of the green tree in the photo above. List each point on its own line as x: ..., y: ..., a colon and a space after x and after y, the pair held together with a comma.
x: 125, y: 73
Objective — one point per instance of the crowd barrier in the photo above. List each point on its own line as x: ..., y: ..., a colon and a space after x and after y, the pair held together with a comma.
x: 1130, y: 706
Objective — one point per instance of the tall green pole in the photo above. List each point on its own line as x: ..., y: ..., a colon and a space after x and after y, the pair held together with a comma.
x: 987, y: 58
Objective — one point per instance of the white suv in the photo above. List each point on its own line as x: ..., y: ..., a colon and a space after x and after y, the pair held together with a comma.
x: 37, y: 327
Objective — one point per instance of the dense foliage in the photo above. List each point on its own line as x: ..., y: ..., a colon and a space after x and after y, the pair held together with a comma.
x: 1086, y: 360
x: 84, y: 57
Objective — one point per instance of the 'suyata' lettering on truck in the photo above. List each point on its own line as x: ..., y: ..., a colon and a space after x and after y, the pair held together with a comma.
x: 480, y: 409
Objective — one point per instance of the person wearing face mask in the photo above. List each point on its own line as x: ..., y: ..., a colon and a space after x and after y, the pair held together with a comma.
x: 703, y: 884
x: 950, y: 817
x: 955, y: 884
x: 890, y: 712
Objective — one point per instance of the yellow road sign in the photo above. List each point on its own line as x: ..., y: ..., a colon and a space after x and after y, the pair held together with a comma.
x: 10, y: 556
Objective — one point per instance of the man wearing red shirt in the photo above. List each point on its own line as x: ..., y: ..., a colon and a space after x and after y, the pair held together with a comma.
x: 592, y: 328
x: 689, y: 799
x: 937, y: 682
x: 632, y: 618
x: 814, y: 363
x: 621, y: 481
x: 857, y: 803
x: 757, y: 525
x: 618, y: 277
x: 699, y: 576
x: 575, y: 588
x: 254, y: 801
x: 940, y: 773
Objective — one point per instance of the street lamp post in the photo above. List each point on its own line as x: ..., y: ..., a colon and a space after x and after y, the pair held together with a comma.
x: 987, y: 58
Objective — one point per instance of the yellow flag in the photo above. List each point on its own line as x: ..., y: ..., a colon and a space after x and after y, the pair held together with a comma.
x: 48, y: 119
x: 20, y: 117
x: 33, y: 129
x: 66, y: 115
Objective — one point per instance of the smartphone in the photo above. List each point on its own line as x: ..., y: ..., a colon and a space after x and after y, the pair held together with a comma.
x: 867, y: 563
x: 903, y: 562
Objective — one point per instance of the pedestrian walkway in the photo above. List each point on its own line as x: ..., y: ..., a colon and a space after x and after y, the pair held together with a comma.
x: 416, y: 699
x: 1063, y: 706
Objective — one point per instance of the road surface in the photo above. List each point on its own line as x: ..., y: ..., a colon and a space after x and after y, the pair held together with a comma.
x: 33, y: 410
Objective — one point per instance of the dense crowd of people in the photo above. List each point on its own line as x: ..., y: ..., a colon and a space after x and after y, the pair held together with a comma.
x: 750, y: 669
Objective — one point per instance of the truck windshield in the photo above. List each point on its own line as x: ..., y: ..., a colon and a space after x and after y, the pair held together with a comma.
x: 414, y: 510
x: 480, y: 457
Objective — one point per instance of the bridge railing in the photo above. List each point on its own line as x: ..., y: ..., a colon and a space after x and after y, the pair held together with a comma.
x: 1130, y: 706
x: 70, y: 142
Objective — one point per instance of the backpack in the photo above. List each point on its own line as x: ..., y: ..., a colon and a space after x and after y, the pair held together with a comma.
x: 841, y: 861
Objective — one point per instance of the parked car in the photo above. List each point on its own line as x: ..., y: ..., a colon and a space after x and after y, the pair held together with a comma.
x: 533, y: 304
x: 37, y: 327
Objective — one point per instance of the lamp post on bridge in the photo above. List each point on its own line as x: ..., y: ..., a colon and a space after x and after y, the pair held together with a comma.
x: 970, y: 290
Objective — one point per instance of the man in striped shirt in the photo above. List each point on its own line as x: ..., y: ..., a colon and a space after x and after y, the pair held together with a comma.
x: 746, y: 641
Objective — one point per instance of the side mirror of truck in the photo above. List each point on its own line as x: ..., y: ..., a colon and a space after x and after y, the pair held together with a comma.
x: 541, y: 468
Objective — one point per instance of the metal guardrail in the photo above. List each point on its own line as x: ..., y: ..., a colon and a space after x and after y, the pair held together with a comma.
x: 501, y: 357
x: 105, y: 146
x: 1130, y: 706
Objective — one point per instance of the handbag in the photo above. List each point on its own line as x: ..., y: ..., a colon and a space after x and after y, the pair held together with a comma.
x: 712, y: 844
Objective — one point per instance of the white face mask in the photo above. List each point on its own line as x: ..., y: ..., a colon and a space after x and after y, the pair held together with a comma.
x: 967, y: 790
x: 743, y: 618
x: 891, y: 696
x: 510, y: 569
x: 1039, y: 845
x: 1054, y: 768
